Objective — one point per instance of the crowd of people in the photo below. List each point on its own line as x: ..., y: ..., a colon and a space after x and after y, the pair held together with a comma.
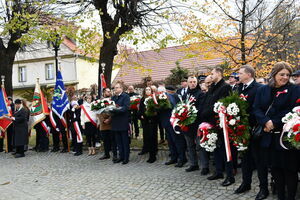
x: 265, y: 108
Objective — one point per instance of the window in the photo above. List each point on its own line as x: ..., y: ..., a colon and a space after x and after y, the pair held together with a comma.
x: 49, y: 71
x: 22, y: 74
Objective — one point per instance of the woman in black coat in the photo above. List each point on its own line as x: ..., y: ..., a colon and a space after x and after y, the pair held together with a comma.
x: 149, y: 125
x: 284, y: 163
x: 20, y: 123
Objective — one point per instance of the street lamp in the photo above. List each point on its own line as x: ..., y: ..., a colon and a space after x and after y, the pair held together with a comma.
x: 56, y: 44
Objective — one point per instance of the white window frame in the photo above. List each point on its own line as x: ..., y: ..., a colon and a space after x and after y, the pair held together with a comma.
x: 22, y: 75
x: 49, y: 71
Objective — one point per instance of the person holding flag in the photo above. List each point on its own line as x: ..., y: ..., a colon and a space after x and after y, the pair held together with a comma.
x: 60, y: 104
x: 38, y: 112
x: 5, y: 110
x: 75, y: 126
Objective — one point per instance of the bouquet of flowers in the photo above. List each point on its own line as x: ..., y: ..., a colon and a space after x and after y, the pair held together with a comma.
x: 163, y: 102
x: 135, y: 102
x: 103, y: 105
x: 233, y: 118
x: 292, y: 127
x: 208, y: 136
x: 184, y: 114
x: 151, y: 105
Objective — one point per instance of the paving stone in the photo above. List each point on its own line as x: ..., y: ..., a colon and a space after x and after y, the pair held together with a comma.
x: 57, y: 176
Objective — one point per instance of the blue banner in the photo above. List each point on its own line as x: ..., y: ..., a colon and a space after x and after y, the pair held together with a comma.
x: 3, y: 106
x: 60, y: 101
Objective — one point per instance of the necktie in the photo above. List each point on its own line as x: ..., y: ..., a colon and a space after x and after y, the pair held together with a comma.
x: 244, y: 86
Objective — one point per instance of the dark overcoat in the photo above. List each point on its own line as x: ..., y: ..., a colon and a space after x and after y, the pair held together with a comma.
x: 21, y: 127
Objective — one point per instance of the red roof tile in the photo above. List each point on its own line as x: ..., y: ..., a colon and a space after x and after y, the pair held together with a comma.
x: 158, y: 64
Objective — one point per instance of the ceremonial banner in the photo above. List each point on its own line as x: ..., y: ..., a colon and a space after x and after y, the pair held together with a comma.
x: 102, y: 85
x: 60, y: 101
x: 39, y: 108
x: 5, y: 109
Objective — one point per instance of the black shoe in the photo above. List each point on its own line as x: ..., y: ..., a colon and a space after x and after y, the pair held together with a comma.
x: 104, y: 157
x: 180, y: 164
x: 243, y: 188
x: 78, y: 153
x: 142, y: 153
x: 125, y: 162
x: 262, y: 194
x: 18, y: 155
x: 13, y: 153
x: 1, y: 150
x: 115, y: 158
x: 35, y: 149
x: 215, y: 176
x: 170, y: 162
x: 228, y: 181
x: 43, y: 150
x: 55, y: 150
x: 204, y: 171
x: 64, y: 151
x: 118, y: 160
x: 192, y: 168
x: 151, y: 160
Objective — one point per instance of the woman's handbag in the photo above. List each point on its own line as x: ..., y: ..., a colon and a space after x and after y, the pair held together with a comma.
x: 258, y: 130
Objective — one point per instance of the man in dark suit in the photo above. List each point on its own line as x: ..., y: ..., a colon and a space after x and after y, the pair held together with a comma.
x: 176, y: 142
x: 247, y: 89
x: 190, y: 135
x: 184, y: 87
x: 120, y: 123
x: 218, y: 90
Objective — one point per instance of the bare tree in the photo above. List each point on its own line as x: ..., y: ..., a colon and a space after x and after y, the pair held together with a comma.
x: 247, y: 22
x: 119, y: 17
x: 18, y: 18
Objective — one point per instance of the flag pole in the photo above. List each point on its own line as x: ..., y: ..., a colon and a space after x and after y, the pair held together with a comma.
x: 5, y: 132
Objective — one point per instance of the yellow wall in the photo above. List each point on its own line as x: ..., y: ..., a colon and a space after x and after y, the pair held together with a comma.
x: 86, y: 73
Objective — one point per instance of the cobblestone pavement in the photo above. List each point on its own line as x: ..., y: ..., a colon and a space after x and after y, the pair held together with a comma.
x: 64, y: 176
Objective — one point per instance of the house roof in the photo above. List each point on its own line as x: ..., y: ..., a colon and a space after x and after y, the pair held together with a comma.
x: 158, y: 64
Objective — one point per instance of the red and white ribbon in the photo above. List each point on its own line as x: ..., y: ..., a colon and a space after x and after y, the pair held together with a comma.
x: 203, y: 131
x: 78, y: 132
x: 281, y: 92
x: 154, y: 98
x: 63, y: 121
x: 45, y: 127
x: 224, y: 124
x: 52, y: 120
x: 174, y: 122
x: 88, y: 116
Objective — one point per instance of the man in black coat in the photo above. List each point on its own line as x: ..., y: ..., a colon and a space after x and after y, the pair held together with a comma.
x: 20, y: 123
x: 190, y: 135
x: 247, y: 89
x: 120, y: 123
x: 218, y: 90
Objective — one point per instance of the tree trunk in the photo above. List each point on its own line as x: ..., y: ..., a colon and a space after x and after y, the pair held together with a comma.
x: 6, y: 68
x: 107, y: 54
